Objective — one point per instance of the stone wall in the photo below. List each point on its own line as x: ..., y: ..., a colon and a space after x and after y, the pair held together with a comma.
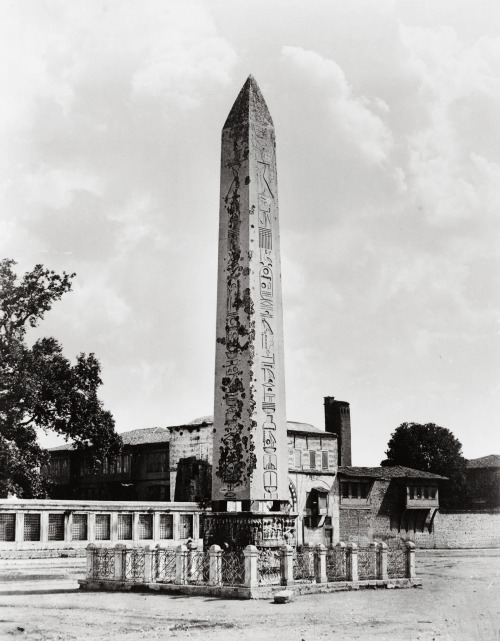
x: 463, y: 530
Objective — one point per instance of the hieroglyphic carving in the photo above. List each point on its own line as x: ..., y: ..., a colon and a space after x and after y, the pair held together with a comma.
x: 266, y: 278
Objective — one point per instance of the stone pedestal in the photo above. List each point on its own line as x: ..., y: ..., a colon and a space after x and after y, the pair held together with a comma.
x: 232, y: 530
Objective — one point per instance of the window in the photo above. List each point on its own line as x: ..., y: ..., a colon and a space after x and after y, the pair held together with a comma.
x: 32, y: 527
x: 124, y: 531
x: 324, y: 460
x: 79, y: 527
x: 7, y: 527
x: 355, y: 489
x: 59, y: 467
x: 56, y: 527
x: 185, y: 526
x: 298, y: 458
x: 422, y: 492
x: 120, y: 465
x: 166, y: 526
x: 145, y: 526
x: 312, y: 460
x: 156, y: 462
x: 102, y: 527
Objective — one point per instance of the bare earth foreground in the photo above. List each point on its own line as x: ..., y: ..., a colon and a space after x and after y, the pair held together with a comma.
x: 460, y: 600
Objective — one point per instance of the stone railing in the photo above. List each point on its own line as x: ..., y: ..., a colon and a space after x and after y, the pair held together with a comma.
x: 249, y: 568
x: 51, y: 524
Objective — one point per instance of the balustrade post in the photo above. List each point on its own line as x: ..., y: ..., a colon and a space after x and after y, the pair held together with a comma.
x: 119, y: 562
x: 251, y: 554
x: 374, y: 556
x: 90, y: 560
x: 320, y: 564
x: 410, y: 560
x: 68, y: 523
x: 352, y: 562
x: 180, y: 565
x: 215, y: 567
x: 382, y: 562
x: 287, y: 565
x: 343, y: 554
x: 148, y: 564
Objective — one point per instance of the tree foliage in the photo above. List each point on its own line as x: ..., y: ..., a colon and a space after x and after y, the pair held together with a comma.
x: 40, y: 388
x: 430, y: 448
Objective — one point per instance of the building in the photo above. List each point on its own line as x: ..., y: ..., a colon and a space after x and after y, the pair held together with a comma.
x: 483, y: 482
x: 175, y: 464
x: 386, y: 503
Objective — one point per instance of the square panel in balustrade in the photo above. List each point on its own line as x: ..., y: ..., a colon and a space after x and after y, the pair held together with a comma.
x: 166, y: 526
x: 32, y: 527
x: 124, y: 531
x: 56, y: 527
x: 79, y: 527
x: 102, y: 527
x: 145, y: 526
x: 7, y: 527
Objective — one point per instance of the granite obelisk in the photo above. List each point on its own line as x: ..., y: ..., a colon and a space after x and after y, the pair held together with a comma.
x: 250, y: 462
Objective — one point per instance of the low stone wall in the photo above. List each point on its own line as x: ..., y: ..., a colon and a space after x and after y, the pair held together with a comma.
x: 50, y: 525
x: 465, y: 529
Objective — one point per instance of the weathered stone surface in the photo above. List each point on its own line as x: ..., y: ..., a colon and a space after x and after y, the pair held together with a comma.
x: 250, y: 448
x: 285, y: 596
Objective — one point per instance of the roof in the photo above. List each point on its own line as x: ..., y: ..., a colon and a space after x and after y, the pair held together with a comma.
x: 148, y: 435
x: 492, y: 460
x: 387, y: 473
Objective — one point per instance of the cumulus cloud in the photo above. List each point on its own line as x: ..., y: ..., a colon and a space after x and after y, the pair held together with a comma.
x: 454, y: 158
x: 353, y: 115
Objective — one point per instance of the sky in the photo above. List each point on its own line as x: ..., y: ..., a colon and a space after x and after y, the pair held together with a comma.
x: 388, y: 150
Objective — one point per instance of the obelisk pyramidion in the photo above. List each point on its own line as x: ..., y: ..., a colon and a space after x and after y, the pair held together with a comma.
x: 250, y: 461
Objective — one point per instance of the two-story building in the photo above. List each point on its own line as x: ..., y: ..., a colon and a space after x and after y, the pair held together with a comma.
x: 386, y: 503
x: 175, y: 464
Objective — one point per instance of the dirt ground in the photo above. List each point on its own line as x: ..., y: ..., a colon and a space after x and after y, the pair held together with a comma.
x: 460, y: 601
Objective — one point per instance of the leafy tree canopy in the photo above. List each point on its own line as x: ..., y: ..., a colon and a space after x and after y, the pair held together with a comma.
x: 430, y: 448
x: 40, y: 388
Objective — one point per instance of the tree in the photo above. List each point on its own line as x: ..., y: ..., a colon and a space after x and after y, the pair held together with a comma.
x: 431, y: 448
x: 40, y: 388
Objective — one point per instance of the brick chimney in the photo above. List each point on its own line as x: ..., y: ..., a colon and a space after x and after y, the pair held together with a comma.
x: 338, y: 421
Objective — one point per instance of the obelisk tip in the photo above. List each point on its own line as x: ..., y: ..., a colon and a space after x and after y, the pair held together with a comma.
x: 249, y: 106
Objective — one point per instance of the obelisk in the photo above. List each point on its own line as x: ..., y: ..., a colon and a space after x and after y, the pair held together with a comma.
x: 250, y: 462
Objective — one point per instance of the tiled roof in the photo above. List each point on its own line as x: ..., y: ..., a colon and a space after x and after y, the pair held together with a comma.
x: 292, y: 426
x: 391, y: 472
x: 162, y: 434
x: 492, y: 460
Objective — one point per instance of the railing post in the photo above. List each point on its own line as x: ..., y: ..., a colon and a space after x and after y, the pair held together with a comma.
x: 382, y: 562
x: 251, y: 554
x: 352, y: 562
x: 68, y: 522
x: 90, y: 560
x: 180, y: 565
x: 410, y: 560
x: 320, y: 564
x: 343, y: 554
x: 287, y: 565
x: 215, y: 567
x: 148, y: 564
x: 19, y: 534
x: 119, y: 561
x: 374, y: 557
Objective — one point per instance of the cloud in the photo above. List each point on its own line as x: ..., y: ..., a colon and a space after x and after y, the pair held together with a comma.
x: 454, y: 159
x: 351, y: 115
